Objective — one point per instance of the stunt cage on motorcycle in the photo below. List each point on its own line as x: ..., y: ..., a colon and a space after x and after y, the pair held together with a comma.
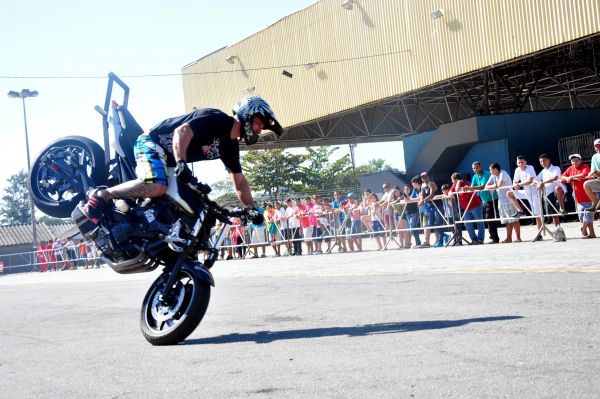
x: 137, y: 235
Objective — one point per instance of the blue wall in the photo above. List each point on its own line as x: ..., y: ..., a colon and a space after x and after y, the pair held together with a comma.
x: 486, y: 153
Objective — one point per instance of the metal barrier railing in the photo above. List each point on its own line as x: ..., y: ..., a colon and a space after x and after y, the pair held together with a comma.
x: 336, y: 227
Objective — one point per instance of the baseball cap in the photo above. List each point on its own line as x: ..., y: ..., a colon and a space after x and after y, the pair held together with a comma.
x: 351, y: 195
x: 424, y: 174
x: 574, y: 156
x: 597, y: 141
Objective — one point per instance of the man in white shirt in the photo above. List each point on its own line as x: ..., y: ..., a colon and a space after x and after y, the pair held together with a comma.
x: 502, y: 183
x: 550, y: 179
x: 525, y: 190
x: 295, y: 233
x: 592, y: 187
x: 282, y: 217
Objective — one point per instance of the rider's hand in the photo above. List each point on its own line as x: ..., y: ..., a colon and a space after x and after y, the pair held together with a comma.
x: 183, y: 173
x: 255, y: 216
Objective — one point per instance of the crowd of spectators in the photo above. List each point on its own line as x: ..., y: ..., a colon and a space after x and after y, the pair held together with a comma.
x: 66, y: 254
x: 489, y: 199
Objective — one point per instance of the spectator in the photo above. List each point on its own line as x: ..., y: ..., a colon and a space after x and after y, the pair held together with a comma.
x: 576, y: 175
x: 57, y: 248
x: 71, y: 251
x: 450, y: 207
x: 339, y: 221
x: 42, y: 264
x: 550, y: 179
x: 282, y: 219
x: 525, y: 190
x: 50, y: 256
x: 316, y: 211
x: 385, y: 207
x: 592, y: 187
x: 428, y: 192
x: 376, y: 214
x: 489, y: 199
x: 501, y: 182
x: 365, y: 218
x: 325, y: 223
x: 354, y: 239
x: 411, y: 197
x: 400, y: 213
x: 307, y: 228
x: 238, y: 238
x: 472, y: 207
x: 296, y: 225
x: 272, y: 229
x: 259, y: 235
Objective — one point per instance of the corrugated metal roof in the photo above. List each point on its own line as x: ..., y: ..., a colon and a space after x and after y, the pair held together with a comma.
x: 22, y: 234
x: 380, y: 49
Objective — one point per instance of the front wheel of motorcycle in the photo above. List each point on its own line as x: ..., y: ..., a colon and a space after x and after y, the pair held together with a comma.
x: 63, y: 171
x: 169, y: 316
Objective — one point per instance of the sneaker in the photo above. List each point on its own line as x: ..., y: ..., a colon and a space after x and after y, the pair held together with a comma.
x: 263, y: 256
x: 229, y: 257
x: 318, y: 252
x: 438, y: 244
x: 94, y: 207
x: 446, y: 239
x: 562, y: 211
x: 254, y: 257
x: 519, y: 214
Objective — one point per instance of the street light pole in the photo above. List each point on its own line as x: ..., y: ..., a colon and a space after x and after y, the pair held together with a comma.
x: 25, y: 93
x: 352, y: 148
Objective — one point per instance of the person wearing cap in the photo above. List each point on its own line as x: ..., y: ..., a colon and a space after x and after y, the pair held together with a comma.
x: 524, y: 189
x: 592, y: 187
x: 576, y: 175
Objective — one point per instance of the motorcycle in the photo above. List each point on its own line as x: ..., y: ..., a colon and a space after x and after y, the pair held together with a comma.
x: 137, y: 235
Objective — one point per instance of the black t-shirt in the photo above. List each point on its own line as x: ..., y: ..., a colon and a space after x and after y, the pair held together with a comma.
x: 211, y: 140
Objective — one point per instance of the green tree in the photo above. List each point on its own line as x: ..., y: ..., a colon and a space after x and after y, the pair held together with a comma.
x: 377, y: 165
x: 272, y: 171
x: 224, y: 193
x: 322, y: 175
x: 14, y: 205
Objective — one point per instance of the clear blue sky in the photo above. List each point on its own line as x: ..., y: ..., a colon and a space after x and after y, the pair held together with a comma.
x: 82, y: 38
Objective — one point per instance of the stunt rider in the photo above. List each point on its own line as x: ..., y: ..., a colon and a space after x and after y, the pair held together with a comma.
x: 203, y: 134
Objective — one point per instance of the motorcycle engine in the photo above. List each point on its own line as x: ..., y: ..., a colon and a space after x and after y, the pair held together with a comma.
x: 122, y: 235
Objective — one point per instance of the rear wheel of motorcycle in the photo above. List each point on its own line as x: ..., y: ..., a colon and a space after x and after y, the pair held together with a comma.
x: 169, y: 320
x: 54, y: 186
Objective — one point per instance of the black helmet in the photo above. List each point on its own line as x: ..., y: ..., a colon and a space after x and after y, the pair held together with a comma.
x: 248, y: 107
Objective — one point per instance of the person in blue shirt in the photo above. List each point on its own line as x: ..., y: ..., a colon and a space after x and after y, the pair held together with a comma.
x: 490, y: 201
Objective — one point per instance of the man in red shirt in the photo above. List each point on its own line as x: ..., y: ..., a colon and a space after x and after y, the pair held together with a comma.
x: 472, y: 207
x: 576, y: 174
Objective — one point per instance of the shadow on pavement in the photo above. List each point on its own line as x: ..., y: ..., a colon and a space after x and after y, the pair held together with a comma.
x: 263, y: 337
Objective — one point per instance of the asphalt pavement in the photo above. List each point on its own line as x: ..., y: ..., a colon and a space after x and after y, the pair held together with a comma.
x: 505, y: 320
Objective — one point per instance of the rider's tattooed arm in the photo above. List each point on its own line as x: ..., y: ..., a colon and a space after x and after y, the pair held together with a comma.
x: 242, y: 188
x: 181, y: 140
x: 137, y: 189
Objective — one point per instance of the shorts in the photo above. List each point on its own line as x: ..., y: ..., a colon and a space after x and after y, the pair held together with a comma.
x: 594, y: 184
x: 308, y: 232
x: 507, y: 210
x: 377, y: 228
x: 151, y: 161
x: 585, y: 216
x: 318, y: 234
x: 355, y: 227
x: 259, y: 235
x: 534, y: 200
x: 286, y: 234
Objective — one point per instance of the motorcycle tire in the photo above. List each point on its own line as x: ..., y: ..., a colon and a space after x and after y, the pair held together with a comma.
x: 53, y: 185
x: 170, y: 321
